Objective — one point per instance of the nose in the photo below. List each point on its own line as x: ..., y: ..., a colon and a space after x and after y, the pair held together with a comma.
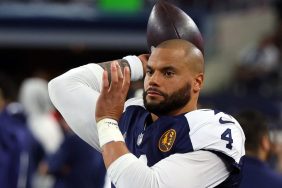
x: 154, y: 79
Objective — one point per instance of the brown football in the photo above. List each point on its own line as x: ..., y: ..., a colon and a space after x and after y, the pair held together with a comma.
x: 167, y: 22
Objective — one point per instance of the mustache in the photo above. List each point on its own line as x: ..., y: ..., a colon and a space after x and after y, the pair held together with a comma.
x: 152, y: 89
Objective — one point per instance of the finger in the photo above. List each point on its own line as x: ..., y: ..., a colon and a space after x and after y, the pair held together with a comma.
x: 114, y: 76
x: 120, y: 75
x: 105, y: 82
x: 126, y: 80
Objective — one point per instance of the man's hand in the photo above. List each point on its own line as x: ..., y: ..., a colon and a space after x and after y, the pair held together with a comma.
x: 111, y: 101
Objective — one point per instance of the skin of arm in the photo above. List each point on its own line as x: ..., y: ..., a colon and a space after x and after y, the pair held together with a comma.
x: 123, y: 63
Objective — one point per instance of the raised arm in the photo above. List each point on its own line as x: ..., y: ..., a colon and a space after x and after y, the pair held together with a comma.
x: 75, y: 93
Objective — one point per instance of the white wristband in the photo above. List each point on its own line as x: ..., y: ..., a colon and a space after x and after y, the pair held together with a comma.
x: 108, y: 131
x: 136, y: 67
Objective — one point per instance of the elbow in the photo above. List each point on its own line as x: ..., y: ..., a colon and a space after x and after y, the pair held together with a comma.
x: 55, y: 89
x: 51, y: 86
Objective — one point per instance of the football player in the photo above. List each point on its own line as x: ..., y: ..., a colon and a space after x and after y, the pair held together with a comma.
x: 162, y: 139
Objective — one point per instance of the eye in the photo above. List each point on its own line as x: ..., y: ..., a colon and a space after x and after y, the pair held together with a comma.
x: 168, y: 73
x: 149, y: 72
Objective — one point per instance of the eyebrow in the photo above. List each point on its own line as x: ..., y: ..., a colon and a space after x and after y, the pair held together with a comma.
x: 169, y: 67
x: 148, y: 67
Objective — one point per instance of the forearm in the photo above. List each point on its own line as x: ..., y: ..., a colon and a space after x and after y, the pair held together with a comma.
x: 112, y: 151
x: 195, y: 169
x: 137, y: 66
x: 129, y: 171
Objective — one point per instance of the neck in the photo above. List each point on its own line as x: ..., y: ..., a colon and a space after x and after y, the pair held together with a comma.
x: 188, y: 108
x: 154, y: 117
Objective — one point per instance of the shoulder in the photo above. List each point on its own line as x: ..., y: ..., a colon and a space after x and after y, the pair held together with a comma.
x: 204, y: 118
x: 199, y: 117
x: 216, y: 131
x: 208, y: 118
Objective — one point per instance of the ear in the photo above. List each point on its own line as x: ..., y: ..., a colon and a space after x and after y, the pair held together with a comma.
x: 144, y: 59
x: 198, y: 82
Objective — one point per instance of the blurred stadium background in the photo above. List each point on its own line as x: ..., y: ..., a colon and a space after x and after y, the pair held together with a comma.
x: 243, y: 45
x: 55, y: 35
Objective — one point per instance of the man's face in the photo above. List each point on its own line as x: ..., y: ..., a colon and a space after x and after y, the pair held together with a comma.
x: 167, y: 83
x: 169, y: 103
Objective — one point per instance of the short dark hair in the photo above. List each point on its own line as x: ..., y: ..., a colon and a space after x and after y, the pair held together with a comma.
x: 254, y: 126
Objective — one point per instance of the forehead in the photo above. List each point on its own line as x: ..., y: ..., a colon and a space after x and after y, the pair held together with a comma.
x: 162, y: 57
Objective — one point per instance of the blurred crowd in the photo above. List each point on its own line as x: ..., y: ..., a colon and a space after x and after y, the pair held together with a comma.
x: 37, y: 148
x: 259, y: 69
x: 259, y: 72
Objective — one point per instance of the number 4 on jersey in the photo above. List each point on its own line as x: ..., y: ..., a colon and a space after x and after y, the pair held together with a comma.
x: 227, y: 136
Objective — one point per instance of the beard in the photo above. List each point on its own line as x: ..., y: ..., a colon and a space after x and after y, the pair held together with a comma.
x: 170, y: 103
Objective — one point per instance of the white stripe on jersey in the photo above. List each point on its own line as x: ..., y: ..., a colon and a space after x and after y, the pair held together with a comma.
x: 215, y: 132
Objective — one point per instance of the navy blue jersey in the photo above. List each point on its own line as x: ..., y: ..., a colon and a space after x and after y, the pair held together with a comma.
x: 158, y: 140
x: 197, y: 130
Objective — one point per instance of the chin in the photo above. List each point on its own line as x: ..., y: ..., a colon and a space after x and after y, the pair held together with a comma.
x: 153, y: 100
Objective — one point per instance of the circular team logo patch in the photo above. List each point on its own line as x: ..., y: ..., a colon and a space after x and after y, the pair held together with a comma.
x: 167, y: 139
